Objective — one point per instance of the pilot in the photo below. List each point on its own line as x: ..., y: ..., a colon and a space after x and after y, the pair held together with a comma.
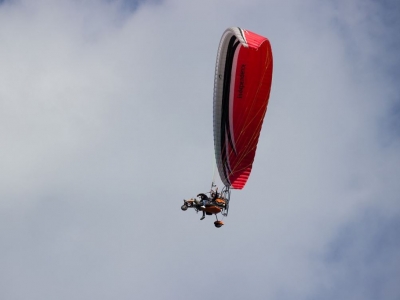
x: 214, y: 195
x: 202, y: 200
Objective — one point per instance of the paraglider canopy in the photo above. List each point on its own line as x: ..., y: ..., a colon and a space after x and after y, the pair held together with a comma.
x: 241, y: 91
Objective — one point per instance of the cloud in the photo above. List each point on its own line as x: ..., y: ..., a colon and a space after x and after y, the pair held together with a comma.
x: 106, y: 124
x: 362, y: 262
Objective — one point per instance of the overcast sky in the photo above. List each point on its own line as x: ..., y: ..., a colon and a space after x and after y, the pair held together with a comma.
x: 106, y: 125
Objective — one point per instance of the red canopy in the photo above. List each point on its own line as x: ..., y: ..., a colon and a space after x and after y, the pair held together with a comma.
x: 241, y: 92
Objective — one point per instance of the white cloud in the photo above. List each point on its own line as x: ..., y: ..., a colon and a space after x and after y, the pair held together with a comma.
x: 106, y: 124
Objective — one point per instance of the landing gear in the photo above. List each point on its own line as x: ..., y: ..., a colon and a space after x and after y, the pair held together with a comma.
x: 218, y: 224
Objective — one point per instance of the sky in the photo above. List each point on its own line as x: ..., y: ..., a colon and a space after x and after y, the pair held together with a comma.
x: 106, y: 125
